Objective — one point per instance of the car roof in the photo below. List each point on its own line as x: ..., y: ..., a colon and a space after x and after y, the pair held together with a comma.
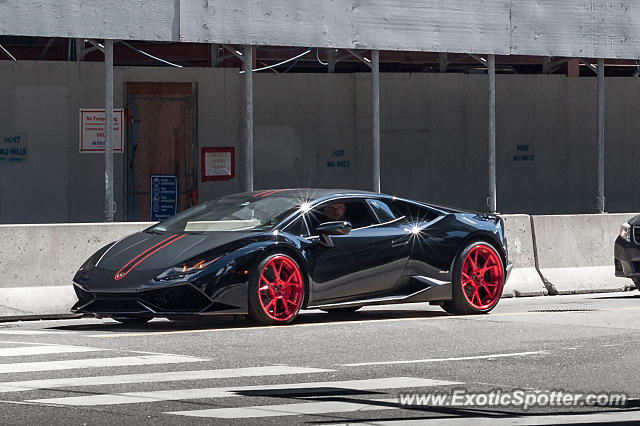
x: 312, y: 194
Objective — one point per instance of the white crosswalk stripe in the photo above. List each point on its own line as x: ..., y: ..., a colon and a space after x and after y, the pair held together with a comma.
x: 275, y: 370
x: 264, y: 390
x: 317, y: 407
x: 44, y: 350
x: 175, y: 389
x: 72, y: 364
x: 27, y: 332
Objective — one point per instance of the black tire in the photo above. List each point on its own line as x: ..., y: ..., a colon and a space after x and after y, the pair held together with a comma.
x: 636, y: 282
x: 279, y: 301
x: 132, y: 320
x: 342, y: 311
x: 485, y: 298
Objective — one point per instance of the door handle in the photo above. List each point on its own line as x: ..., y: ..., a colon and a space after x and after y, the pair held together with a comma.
x: 399, y: 242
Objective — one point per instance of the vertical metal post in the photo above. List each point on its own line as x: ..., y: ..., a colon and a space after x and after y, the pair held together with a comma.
x: 375, y: 74
x: 331, y: 60
x: 214, y: 55
x: 248, y: 117
x: 443, y: 62
x: 601, y: 198
x: 491, y: 64
x: 108, y: 131
x: 79, y: 49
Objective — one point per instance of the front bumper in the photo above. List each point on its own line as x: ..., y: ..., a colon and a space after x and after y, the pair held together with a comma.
x: 626, y: 258
x: 182, y: 299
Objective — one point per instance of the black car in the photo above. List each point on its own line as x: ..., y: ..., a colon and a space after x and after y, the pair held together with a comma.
x: 269, y: 254
x: 626, y: 251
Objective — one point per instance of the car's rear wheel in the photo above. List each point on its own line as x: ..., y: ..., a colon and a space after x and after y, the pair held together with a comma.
x: 478, y: 279
x: 276, y: 290
x: 133, y: 320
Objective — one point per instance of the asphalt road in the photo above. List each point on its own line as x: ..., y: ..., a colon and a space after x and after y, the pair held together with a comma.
x: 332, y: 369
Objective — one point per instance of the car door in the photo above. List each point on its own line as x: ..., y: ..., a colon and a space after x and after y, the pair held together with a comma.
x: 367, y: 261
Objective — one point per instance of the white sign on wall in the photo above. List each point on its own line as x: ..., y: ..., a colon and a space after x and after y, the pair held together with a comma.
x: 92, y: 129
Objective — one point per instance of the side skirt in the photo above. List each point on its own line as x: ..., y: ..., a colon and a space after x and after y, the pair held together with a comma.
x: 427, y: 290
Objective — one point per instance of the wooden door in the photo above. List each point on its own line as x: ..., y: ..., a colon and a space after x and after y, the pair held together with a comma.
x: 160, y: 141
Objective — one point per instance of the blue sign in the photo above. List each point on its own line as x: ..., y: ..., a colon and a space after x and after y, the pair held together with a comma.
x: 164, y: 197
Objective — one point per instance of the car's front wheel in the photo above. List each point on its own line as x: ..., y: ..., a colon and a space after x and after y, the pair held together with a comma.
x: 276, y: 290
x: 478, y: 279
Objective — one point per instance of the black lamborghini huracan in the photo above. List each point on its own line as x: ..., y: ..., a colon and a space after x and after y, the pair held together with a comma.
x: 269, y: 254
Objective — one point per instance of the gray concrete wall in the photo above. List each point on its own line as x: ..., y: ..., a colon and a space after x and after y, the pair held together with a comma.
x: 315, y: 130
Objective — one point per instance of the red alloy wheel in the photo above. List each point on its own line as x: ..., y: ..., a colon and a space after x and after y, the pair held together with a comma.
x: 280, y: 288
x: 482, y: 277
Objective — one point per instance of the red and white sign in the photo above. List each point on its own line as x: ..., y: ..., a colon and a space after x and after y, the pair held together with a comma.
x: 92, y: 130
x: 218, y: 163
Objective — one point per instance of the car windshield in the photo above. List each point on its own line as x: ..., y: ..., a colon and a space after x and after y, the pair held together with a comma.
x: 232, y: 213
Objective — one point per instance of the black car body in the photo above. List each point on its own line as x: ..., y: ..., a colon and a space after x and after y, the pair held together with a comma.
x: 626, y: 251
x: 269, y: 254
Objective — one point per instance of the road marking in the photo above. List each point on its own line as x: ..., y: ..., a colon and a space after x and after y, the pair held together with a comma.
x: 263, y: 390
x: 305, y: 408
x: 462, y: 358
x: 28, y: 332
x: 170, y: 376
x: 72, y: 364
x: 44, y: 350
x: 358, y: 323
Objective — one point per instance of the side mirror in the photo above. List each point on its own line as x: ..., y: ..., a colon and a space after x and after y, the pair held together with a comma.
x: 332, y: 228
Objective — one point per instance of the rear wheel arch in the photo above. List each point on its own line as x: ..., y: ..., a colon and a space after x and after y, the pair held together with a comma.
x: 479, y: 236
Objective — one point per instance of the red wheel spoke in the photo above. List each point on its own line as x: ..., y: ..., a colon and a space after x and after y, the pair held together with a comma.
x: 280, y: 271
x: 284, y: 305
x: 275, y: 272
x: 262, y: 277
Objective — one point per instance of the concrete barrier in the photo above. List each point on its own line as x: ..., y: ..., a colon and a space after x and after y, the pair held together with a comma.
x: 38, y: 262
x: 550, y: 254
x: 524, y: 279
x: 575, y: 252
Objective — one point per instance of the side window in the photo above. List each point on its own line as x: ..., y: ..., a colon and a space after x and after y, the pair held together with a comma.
x: 414, y: 212
x: 298, y: 227
x: 382, y: 210
x: 351, y: 210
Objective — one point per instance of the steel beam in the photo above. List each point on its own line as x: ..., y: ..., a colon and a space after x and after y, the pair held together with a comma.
x: 248, y: 117
x: 375, y: 77
x: 108, y: 131
x: 601, y: 198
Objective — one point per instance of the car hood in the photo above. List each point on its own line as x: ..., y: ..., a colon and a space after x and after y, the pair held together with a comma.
x: 140, y: 257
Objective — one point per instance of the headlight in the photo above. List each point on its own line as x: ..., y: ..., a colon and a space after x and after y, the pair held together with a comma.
x: 185, y: 269
x: 625, y: 231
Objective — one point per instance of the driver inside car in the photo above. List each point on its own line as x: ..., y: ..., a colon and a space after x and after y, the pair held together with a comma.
x: 335, y: 211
